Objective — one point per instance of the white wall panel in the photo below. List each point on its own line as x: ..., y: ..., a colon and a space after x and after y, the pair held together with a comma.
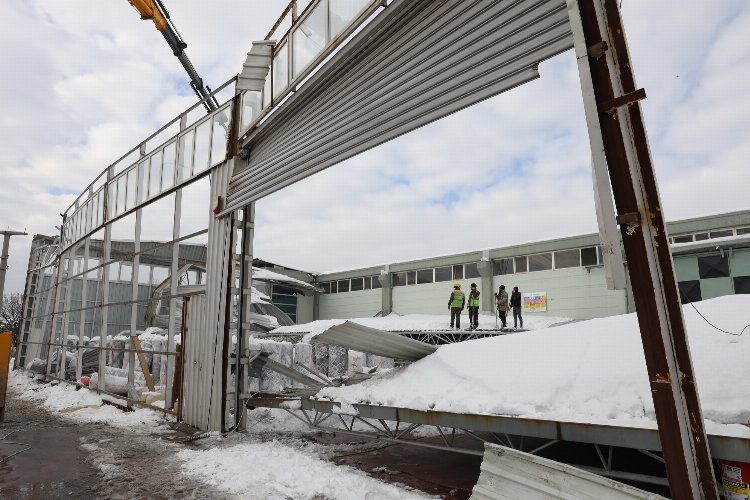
x: 359, y: 304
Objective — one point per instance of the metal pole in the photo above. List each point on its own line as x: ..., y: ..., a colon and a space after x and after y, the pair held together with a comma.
x: 4, y: 258
x: 616, y: 128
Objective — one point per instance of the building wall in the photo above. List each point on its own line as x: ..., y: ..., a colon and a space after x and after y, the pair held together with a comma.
x: 578, y: 293
x: 431, y: 298
x: 359, y: 304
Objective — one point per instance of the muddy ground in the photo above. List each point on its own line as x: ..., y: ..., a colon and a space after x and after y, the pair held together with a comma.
x: 50, y: 458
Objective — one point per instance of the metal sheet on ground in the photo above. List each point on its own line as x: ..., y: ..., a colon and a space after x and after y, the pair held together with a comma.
x: 371, y: 340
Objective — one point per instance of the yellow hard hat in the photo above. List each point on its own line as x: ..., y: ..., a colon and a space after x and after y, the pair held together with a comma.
x: 456, y: 285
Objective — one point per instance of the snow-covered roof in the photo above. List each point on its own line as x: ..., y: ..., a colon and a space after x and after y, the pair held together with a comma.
x: 268, y: 276
x: 591, y: 371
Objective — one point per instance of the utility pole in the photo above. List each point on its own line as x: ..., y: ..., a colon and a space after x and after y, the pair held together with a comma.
x: 4, y: 258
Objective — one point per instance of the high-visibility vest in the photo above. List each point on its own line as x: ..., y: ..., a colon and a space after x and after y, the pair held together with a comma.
x: 458, y: 299
x: 473, y: 301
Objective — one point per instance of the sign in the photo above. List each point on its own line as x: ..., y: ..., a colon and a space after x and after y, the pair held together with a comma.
x: 535, y: 302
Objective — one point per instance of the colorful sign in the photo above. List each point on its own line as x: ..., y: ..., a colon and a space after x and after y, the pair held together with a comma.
x: 535, y: 302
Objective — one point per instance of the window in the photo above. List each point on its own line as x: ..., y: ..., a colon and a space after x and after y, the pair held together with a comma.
x: 424, y: 276
x: 743, y: 230
x: 280, y: 69
x: 144, y: 274
x: 219, y: 138
x: 334, y: 288
x: 343, y: 12
x: 540, y: 262
x: 520, y: 263
x: 713, y: 266
x: 589, y: 256
x: 742, y: 284
x: 471, y: 271
x: 443, y: 274
x: 122, y: 187
x: 343, y: 286
x: 131, y: 189
x: 285, y: 299
x: 202, y: 137
x: 567, y: 258
x: 326, y: 287
x: 690, y: 291
x: 700, y: 236
x: 368, y: 282
x: 185, y: 164
x: 114, y: 271
x: 126, y: 272
x: 159, y: 274
x: 155, y: 184
x: 167, y: 174
x: 683, y: 239
x: 375, y: 282
x: 411, y: 277
x: 722, y: 234
x: 398, y: 279
x: 310, y: 37
x: 357, y: 284
x: 458, y: 272
x: 502, y: 266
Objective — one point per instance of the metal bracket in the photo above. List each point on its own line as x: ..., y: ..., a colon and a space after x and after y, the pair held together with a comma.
x: 629, y: 219
x: 628, y: 99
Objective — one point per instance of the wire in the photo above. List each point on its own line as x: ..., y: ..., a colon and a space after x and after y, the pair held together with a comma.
x: 711, y: 324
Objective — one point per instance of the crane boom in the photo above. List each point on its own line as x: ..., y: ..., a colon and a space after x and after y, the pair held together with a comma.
x: 155, y: 11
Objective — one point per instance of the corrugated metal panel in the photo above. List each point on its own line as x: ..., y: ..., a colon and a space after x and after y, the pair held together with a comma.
x: 381, y: 343
x: 203, y: 391
x: 511, y: 474
x: 416, y: 62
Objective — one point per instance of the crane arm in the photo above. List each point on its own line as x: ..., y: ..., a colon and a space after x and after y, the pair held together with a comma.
x: 155, y: 11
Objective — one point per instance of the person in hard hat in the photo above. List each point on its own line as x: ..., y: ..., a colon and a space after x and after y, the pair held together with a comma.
x: 456, y: 304
x: 474, y: 307
x: 501, y: 301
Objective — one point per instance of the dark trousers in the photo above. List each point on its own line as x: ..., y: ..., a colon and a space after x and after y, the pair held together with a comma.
x: 517, y: 318
x: 503, y: 317
x: 474, y: 316
x: 456, y: 317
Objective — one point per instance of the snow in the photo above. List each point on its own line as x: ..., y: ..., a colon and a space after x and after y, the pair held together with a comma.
x: 273, y: 470
x: 591, y: 371
x: 414, y: 322
x: 82, y: 406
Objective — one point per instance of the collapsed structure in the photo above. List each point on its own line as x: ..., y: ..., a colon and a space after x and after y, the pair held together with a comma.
x: 298, y: 108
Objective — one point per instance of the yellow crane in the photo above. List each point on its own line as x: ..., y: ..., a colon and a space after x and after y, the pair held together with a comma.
x: 155, y: 11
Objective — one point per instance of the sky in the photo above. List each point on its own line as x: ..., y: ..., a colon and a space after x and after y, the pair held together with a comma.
x: 86, y: 81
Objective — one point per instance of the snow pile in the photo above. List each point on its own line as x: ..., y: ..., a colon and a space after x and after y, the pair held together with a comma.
x: 83, y: 405
x: 415, y: 322
x: 592, y: 371
x: 274, y: 471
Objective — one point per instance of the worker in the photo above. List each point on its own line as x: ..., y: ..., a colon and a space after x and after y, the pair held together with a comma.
x: 515, y: 303
x: 501, y: 301
x: 456, y: 304
x: 474, y: 307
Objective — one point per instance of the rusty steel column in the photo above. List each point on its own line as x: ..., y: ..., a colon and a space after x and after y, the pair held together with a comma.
x: 616, y: 128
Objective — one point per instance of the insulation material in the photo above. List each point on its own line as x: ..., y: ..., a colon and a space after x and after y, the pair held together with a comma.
x: 355, y: 362
x: 157, y: 346
x: 303, y: 355
x: 281, y: 352
x: 117, y: 361
x: 320, y: 358
x: 379, y: 362
x: 337, y: 361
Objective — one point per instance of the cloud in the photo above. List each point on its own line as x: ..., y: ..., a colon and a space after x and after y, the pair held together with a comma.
x: 86, y: 88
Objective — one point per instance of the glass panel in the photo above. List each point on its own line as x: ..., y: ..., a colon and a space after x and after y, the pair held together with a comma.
x: 368, y: 282
x: 143, y: 174
x: 144, y: 274
x: 589, y: 256
x: 719, y: 234
x: 326, y: 287
x: 357, y: 284
x: 267, y: 91
x: 743, y: 230
x: 251, y: 107
x: 167, y: 172
x: 567, y: 258
x: 95, y: 273
x: 471, y: 271
x: 375, y: 282
x: 443, y: 274
x: 100, y: 209
x: 280, y: 69
x: 112, y: 200
x: 132, y: 173
x: 342, y: 13
x: 424, y: 276
x: 219, y: 137
x: 520, y: 263
x: 126, y: 272
x: 121, y: 192
x: 334, y: 288
x: 411, y: 277
x: 398, y: 279
x: 683, y: 239
x: 155, y: 176
x: 202, y: 136
x: 159, y: 274
x: 343, y: 286
x: 702, y: 236
x: 185, y: 166
x: 114, y: 271
x: 310, y: 37
x: 458, y: 272
x: 502, y: 266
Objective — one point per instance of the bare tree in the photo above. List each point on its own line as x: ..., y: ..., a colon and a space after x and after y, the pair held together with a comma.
x: 10, y: 314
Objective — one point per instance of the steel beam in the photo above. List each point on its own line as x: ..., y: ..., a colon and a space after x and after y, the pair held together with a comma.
x: 616, y: 127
